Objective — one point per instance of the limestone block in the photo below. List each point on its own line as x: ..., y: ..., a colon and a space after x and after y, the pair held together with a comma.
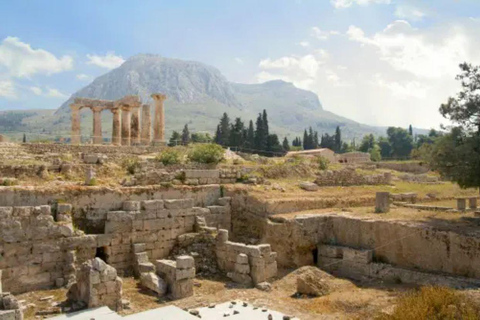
x: 94, y: 277
x: 156, y: 224
x: 22, y: 211
x: 185, y: 262
x: 151, y: 281
x: 330, y: 251
x: 178, y: 204
x: 265, y: 249
x: 141, y: 257
x: 120, y: 216
x: 63, y: 208
x: 99, y: 265
x: 6, y: 212
x: 253, y: 251
x: 146, y: 267
x: 167, y: 268
x: 382, y: 202
x: 222, y: 236
x: 472, y: 203
x: 8, y: 315
x: 181, y: 274
x: 309, y: 186
x: 357, y: 256
x: 138, y: 247
x: 152, y: 205
x: 225, y: 201
x: 258, y: 273
x: 219, y: 209
x: 242, y: 268
x: 198, y: 211
x: 271, y: 269
x: 196, y: 174
x: 242, y: 258
x: 118, y: 226
x: 244, y: 279
x: 182, y: 289
x: 131, y: 205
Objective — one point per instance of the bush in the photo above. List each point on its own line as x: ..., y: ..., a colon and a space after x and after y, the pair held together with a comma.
x: 169, y: 156
x: 131, y: 165
x: 207, y: 153
x: 322, y: 163
x: 433, y: 303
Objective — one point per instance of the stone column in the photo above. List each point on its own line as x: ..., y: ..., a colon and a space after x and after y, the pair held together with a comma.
x: 461, y: 204
x: 472, y: 203
x: 159, y: 119
x: 97, y: 125
x: 75, y: 134
x: 126, y: 117
x: 116, y: 127
x: 135, y: 126
x: 382, y: 202
x: 146, y: 125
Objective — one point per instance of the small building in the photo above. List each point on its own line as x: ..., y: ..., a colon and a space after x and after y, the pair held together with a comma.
x: 323, y: 152
x: 353, y: 157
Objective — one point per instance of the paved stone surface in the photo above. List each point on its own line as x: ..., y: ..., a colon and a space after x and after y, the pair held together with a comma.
x: 248, y: 312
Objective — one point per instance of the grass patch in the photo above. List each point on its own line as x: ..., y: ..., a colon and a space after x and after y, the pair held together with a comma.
x: 434, y: 303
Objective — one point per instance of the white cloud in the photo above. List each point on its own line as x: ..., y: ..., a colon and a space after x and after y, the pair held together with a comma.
x: 409, y: 12
x: 83, y: 77
x: 108, y: 61
x: 348, y: 3
x: 304, y: 44
x: 48, y: 92
x: 408, y: 49
x: 7, y: 89
x: 238, y: 60
x: 396, y: 76
x: 36, y: 90
x: 22, y: 61
x: 322, y: 34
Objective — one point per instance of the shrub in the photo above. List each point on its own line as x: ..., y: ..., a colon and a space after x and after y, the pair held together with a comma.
x: 169, y: 156
x: 322, y: 163
x: 131, y: 165
x: 207, y: 153
x: 433, y: 303
x: 93, y: 182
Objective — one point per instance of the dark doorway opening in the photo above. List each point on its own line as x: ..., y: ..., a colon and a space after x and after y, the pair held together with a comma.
x: 315, y: 256
x: 101, y: 253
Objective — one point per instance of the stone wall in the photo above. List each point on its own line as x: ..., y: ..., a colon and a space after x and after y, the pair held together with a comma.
x: 261, y: 259
x: 407, y: 245
x: 191, y: 177
x: 156, y: 224
x: 111, y: 150
x: 416, y: 167
x: 350, y: 177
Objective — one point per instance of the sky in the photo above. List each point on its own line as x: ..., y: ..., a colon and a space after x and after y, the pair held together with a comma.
x: 379, y: 62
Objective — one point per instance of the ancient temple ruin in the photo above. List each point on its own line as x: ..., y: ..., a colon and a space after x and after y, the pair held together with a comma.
x: 129, y: 127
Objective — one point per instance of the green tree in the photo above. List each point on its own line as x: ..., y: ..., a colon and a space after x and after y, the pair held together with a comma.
x: 400, y: 141
x: 175, y: 139
x: 250, y: 143
x: 185, y: 135
x: 273, y: 145
x: 200, y: 137
x: 368, y: 142
x: 338, y: 140
x: 236, y: 133
x: 222, y: 135
x: 305, y: 140
x: 410, y: 130
x: 261, y: 136
x: 385, y: 147
x: 285, y: 144
x: 375, y: 154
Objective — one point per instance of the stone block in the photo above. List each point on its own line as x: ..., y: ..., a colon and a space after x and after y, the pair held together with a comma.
x: 225, y: 201
x: 242, y: 258
x: 222, y: 236
x: 357, y: 256
x: 166, y: 268
x: 138, y: 247
x: 131, y: 205
x: 6, y: 212
x: 182, y: 289
x: 472, y: 203
x: 265, y: 249
x: 219, y: 210
x: 242, y: 268
x: 181, y: 274
x: 152, y: 205
x: 330, y: 251
x: 118, y: 227
x: 202, y: 174
x: 178, y: 203
x: 8, y: 315
x: 146, y: 267
x: 63, y: 208
x: 309, y: 186
x: 382, y: 202
x: 151, y: 281
x: 141, y: 257
x: 244, y: 279
x: 185, y: 262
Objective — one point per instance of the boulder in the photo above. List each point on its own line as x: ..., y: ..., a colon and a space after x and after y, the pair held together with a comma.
x: 313, y: 282
x: 309, y: 186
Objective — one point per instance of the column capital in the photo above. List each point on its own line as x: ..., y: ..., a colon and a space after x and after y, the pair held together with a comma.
x: 75, y: 106
x: 115, y: 110
x: 159, y: 96
x: 126, y: 107
x: 96, y: 109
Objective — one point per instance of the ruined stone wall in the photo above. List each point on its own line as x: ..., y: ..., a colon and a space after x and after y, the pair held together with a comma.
x: 41, y: 148
x: 156, y: 224
x: 407, y: 245
x: 416, y: 167
x: 349, y: 177
x: 191, y: 177
x: 104, y: 198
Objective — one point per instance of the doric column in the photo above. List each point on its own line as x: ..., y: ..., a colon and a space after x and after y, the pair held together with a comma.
x: 75, y: 134
x: 116, y: 127
x: 126, y: 117
x: 146, y: 125
x: 159, y: 120
x: 97, y: 125
x: 135, y: 129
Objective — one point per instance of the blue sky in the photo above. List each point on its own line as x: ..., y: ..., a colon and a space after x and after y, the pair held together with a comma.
x: 381, y: 62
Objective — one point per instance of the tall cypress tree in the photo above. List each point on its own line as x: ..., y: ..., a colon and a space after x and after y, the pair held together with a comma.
x: 265, y: 123
x: 285, y: 144
x: 410, y: 130
x: 260, y: 136
x: 185, y: 135
x: 338, y: 139
x: 225, y: 129
x: 218, y: 135
x: 305, y: 140
x: 251, y: 136
x: 236, y: 133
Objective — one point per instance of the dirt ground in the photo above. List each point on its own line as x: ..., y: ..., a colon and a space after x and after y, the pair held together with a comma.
x: 349, y: 300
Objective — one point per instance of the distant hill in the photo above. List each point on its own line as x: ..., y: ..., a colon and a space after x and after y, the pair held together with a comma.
x: 198, y: 94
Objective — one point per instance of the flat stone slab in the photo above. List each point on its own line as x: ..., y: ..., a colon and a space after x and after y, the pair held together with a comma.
x: 165, y: 313
x: 103, y: 313
x: 248, y: 312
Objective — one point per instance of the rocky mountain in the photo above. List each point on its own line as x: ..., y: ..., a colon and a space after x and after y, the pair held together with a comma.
x: 198, y: 94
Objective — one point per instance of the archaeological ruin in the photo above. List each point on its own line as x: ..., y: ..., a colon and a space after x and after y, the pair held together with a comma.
x: 85, y: 231
x: 129, y: 125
